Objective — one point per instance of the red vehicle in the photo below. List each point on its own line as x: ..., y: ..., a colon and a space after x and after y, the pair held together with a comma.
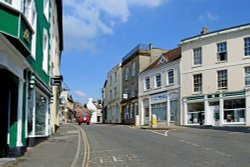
x: 84, y: 118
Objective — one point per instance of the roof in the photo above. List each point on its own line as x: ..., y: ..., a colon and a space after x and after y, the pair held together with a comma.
x: 225, y: 30
x: 166, y: 57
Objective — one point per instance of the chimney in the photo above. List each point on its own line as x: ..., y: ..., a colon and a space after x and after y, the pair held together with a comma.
x: 204, y: 30
x: 150, y: 46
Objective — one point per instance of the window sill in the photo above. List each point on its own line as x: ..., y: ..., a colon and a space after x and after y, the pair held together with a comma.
x: 196, y: 66
x: 224, y: 61
x: 246, y: 57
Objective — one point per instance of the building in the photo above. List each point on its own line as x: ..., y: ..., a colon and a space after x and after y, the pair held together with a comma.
x: 25, y: 73
x: 66, y: 106
x: 55, y: 62
x: 132, y: 64
x: 96, y: 109
x: 215, y: 77
x: 159, y: 90
x: 113, y: 95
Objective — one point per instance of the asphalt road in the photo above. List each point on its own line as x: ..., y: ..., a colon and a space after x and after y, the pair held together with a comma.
x: 118, y: 146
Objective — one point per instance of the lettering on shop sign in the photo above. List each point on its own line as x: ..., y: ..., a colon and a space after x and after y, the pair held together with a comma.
x: 112, y: 159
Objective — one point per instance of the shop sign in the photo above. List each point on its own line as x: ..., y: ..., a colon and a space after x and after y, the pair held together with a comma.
x: 158, y: 98
x: 234, y: 94
x: 213, y: 96
x: 195, y: 97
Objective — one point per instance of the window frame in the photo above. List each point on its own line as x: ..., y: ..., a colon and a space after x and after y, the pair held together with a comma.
x: 146, y: 84
x: 197, y: 83
x: 221, y: 81
x: 158, y: 83
x: 197, y: 56
x: 247, y: 47
x: 222, y: 52
x: 170, y: 78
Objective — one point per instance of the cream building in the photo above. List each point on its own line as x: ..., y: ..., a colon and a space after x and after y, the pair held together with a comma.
x: 113, y: 96
x: 216, y: 77
x: 159, y: 90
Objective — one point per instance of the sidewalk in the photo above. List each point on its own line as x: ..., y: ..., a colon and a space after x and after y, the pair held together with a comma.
x: 60, y: 150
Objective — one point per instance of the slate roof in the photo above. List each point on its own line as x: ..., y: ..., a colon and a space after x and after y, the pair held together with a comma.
x: 165, y: 58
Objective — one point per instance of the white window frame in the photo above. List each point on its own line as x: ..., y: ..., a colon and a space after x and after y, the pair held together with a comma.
x: 147, y: 84
x: 221, y: 81
x: 247, y: 47
x: 222, y: 51
x: 45, y: 51
x: 197, y: 56
x: 158, y: 84
x: 247, y: 76
x: 169, y: 77
x: 197, y: 86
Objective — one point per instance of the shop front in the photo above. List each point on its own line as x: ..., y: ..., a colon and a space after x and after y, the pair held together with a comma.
x: 221, y: 109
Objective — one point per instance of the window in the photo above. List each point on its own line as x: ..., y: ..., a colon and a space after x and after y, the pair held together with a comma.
x: 110, y: 80
x: 170, y: 77
x: 158, y: 80
x: 160, y: 110
x: 247, y: 76
x: 197, y: 58
x: 115, y: 92
x: 147, y: 83
x: 173, y: 110
x: 133, y: 69
x: 8, y: 1
x: 247, y: 46
x: 45, y: 51
x: 234, y: 110
x: 126, y: 73
x: 222, y: 79
x: 222, y: 51
x: 115, y: 77
x: 41, y: 110
x: 197, y: 82
x: 46, y: 9
x: 110, y: 94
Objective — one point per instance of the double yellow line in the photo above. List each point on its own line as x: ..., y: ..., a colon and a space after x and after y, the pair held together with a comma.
x: 86, y: 156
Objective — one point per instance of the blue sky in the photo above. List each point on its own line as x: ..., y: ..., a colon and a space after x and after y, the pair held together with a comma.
x: 98, y: 33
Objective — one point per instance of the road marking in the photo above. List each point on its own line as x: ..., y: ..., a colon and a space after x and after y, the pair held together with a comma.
x: 106, y: 150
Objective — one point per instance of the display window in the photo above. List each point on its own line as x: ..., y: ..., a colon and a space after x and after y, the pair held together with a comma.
x: 234, y: 110
x: 160, y: 110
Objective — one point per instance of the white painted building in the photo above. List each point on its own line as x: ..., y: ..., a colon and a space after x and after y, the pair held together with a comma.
x: 159, y: 90
x: 96, y: 109
x: 216, y: 77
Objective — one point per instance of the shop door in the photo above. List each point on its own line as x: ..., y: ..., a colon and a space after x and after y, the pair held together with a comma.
x: 8, y: 108
x: 215, y: 115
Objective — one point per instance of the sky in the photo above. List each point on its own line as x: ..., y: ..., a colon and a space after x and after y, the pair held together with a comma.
x: 99, y: 33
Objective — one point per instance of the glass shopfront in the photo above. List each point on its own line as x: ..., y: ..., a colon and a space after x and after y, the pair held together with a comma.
x: 195, y: 113
x: 234, y: 110
x: 160, y: 110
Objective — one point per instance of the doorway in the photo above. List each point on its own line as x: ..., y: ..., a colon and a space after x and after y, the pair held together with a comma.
x: 8, y: 108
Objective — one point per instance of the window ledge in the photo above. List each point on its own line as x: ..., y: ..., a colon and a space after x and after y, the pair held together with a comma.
x: 196, y: 66
x: 224, y: 61
x: 246, y: 57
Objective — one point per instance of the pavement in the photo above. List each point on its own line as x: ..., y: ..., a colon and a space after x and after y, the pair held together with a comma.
x: 61, y: 149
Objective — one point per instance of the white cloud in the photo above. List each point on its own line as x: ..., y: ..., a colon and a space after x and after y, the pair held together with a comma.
x: 80, y: 94
x: 208, y: 17
x: 85, y: 20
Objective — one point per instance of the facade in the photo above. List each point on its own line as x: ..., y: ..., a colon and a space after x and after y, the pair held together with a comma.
x: 66, y: 113
x: 25, y: 74
x: 215, y: 77
x: 96, y: 109
x: 159, y: 90
x: 113, y: 95
x: 132, y: 64
x: 55, y: 62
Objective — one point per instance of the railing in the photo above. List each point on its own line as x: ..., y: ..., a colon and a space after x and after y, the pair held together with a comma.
x: 139, y: 47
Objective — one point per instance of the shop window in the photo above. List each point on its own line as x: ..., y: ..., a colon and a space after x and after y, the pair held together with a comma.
x: 40, y: 118
x: 195, y: 114
x: 160, y: 110
x: 234, y: 110
x: 173, y: 110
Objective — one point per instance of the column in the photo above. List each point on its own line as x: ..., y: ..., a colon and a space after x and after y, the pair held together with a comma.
x: 247, y: 110
x: 19, y: 113
x: 185, y: 109
x: 206, y: 112
x: 221, y: 110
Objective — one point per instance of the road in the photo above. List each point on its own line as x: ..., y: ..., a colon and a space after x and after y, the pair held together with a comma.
x: 124, y: 146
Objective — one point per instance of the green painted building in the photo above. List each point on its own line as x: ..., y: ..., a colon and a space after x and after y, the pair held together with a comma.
x: 25, y: 89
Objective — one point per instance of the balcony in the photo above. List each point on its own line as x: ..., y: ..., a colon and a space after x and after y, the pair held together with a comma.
x: 15, y: 28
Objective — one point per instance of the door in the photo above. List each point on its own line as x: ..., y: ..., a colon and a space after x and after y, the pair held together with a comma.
x: 214, y: 115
